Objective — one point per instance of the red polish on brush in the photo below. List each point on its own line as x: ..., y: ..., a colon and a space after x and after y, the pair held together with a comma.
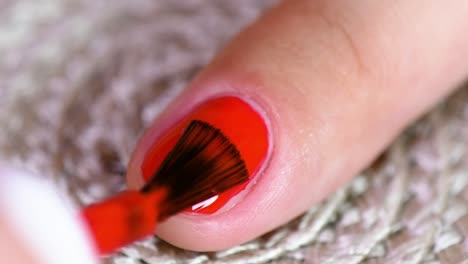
x: 238, y: 120
x: 202, y: 164
x: 198, y: 165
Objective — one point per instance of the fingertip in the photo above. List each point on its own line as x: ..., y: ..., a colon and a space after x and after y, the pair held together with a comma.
x: 246, y: 124
x: 203, y: 233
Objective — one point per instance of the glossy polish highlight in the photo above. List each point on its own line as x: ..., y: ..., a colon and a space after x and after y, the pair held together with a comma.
x: 238, y: 121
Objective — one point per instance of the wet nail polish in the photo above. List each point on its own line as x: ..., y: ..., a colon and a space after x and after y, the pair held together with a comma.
x: 238, y: 121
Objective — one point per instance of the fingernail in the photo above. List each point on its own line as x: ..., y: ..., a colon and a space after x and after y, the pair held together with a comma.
x: 240, y: 121
x: 43, y: 220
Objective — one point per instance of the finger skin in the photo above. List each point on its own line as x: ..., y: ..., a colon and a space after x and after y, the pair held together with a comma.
x: 11, y: 249
x: 338, y: 80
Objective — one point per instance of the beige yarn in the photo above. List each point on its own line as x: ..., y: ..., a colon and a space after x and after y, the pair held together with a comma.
x: 80, y: 79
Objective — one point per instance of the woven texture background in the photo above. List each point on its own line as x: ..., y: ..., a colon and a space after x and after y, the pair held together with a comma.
x: 80, y: 79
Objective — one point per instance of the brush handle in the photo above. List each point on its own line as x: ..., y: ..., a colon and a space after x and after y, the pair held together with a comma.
x: 122, y: 219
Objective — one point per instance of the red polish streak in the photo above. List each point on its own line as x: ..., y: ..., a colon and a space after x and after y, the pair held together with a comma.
x: 244, y: 127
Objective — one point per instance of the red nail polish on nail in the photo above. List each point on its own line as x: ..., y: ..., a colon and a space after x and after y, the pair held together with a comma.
x: 236, y: 119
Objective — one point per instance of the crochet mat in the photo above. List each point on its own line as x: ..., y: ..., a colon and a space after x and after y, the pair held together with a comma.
x: 81, y: 79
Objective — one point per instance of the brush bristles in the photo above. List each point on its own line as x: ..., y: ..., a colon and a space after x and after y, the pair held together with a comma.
x: 202, y: 164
